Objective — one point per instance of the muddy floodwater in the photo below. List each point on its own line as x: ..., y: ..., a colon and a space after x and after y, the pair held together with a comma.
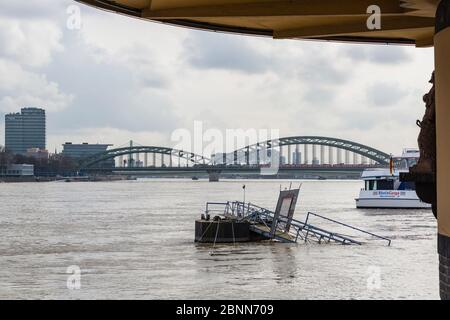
x: 134, y: 240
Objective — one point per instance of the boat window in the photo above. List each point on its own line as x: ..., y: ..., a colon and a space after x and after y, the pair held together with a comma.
x: 385, y: 185
x: 371, y: 185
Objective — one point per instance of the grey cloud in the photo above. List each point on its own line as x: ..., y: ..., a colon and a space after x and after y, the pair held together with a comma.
x: 319, y: 96
x: 320, y: 71
x: 385, y: 94
x: 206, y: 50
x: 141, y: 61
x: 107, y: 95
x: 377, y: 54
x: 362, y: 120
x: 34, y: 9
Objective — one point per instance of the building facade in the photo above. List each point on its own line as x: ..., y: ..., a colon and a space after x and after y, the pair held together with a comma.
x: 84, y: 150
x: 18, y: 170
x: 25, y: 130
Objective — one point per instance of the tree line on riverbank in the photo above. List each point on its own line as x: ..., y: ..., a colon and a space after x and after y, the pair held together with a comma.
x: 55, y: 164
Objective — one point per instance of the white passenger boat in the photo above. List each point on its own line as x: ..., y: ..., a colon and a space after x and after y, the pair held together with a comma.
x: 383, y: 188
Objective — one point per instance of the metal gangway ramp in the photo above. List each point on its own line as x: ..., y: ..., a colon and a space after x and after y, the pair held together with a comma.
x: 267, y: 224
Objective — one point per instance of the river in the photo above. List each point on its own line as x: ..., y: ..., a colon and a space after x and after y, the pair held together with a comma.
x: 134, y: 240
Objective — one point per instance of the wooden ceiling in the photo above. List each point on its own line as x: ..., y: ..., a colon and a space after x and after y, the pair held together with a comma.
x: 402, y: 21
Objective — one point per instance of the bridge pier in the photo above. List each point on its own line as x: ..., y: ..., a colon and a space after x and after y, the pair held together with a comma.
x: 214, y: 175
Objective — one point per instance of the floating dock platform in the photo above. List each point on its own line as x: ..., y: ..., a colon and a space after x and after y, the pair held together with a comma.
x: 245, y: 222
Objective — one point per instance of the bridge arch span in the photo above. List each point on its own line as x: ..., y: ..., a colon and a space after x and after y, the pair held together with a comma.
x: 376, y: 155
x: 91, y: 161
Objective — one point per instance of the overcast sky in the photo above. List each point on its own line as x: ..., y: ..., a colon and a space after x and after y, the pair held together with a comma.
x: 119, y: 78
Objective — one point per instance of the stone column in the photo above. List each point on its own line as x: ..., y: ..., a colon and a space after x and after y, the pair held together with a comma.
x: 442, y: 85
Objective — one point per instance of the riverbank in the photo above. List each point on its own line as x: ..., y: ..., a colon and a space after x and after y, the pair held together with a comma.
x: 29, y: 179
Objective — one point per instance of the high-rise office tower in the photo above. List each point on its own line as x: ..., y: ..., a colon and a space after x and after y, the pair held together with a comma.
x: 25, y: 130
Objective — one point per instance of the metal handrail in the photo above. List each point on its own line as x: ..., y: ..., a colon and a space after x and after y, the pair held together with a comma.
x: 351, y: 227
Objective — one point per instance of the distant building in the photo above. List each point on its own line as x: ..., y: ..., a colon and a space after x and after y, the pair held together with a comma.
x: 25, y: 130
x: 18, y: 170
x: 84, y: 150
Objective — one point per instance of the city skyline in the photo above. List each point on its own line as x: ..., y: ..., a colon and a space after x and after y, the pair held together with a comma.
x: 168, y: 78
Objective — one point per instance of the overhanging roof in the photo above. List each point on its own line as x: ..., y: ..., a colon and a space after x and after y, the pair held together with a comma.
x: 403, y: 21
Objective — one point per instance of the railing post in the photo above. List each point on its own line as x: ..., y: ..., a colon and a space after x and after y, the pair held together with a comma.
x: 298, y: 232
